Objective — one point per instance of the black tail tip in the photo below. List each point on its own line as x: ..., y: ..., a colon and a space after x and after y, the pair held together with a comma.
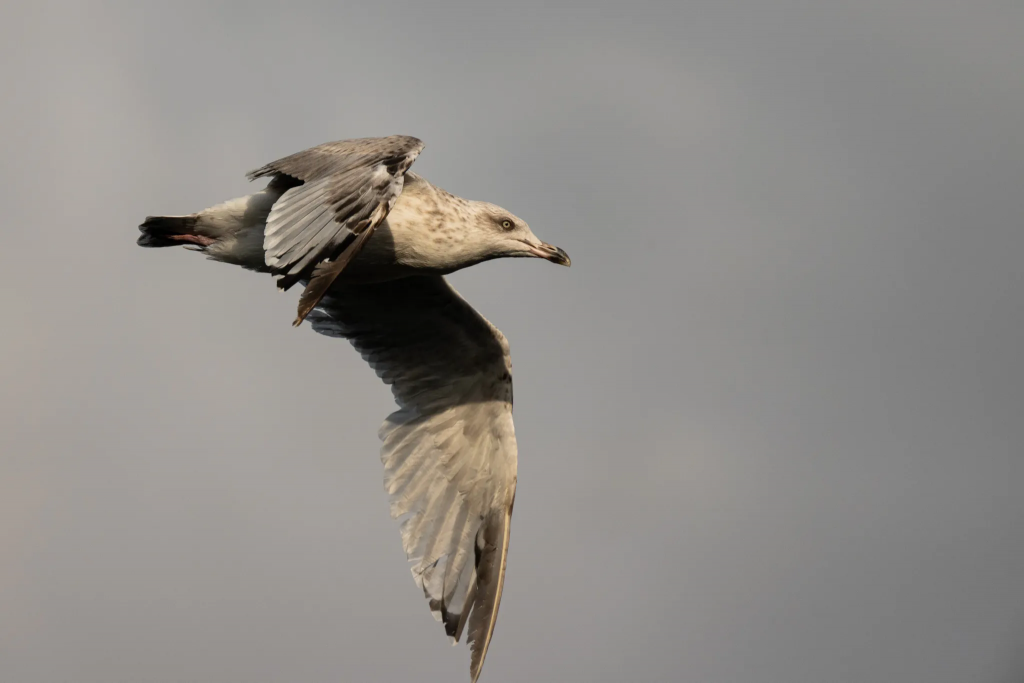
x: 147, y: 240
x: 165, y: 231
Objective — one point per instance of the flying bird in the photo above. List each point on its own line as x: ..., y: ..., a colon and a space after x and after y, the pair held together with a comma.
x: 370, y: 242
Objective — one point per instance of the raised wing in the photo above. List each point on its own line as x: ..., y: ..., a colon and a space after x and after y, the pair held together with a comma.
x: 449, y: 452
x: 339, y: 192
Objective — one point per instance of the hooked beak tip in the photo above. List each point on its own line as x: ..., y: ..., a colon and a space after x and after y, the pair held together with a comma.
x: 551, y: 253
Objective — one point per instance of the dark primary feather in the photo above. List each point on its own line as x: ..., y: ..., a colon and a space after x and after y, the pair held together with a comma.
x: 449, y: 452
x: 325, y: 273
x: 340, y: 191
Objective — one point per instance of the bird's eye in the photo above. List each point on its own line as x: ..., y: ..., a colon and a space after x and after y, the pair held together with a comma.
x: 506, y: 224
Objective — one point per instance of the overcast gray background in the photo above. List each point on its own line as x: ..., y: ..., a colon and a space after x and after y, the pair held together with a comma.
x: 770, y: 423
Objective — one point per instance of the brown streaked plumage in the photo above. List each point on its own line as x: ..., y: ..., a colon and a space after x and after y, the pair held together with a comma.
x: 371, y: 242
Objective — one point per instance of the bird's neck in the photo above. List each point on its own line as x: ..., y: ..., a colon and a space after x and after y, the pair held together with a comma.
x: 429, y: 228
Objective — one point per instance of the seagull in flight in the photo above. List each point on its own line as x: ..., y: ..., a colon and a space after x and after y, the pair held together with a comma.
x: 370, y: 242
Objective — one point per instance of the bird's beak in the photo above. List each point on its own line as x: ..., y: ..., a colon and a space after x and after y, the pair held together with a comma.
x: 549, y: 252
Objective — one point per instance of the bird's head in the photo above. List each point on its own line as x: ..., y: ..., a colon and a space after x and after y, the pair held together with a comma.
x: 500, y: 234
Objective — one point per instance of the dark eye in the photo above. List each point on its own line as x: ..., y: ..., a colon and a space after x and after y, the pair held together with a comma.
x: 507, y: 224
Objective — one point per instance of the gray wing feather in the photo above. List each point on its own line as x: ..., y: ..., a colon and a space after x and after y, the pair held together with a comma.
x: 346, y: 187
x: 449, y: 452
x: 297, y: 221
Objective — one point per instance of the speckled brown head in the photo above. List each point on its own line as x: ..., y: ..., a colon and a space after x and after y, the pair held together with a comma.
x: 436, y: 230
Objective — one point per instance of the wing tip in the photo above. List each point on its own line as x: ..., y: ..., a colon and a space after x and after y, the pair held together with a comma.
x: 482, y: 632
x: 260, y: 172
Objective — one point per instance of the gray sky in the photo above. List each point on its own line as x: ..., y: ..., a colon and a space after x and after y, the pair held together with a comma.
x: 770, y: 422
